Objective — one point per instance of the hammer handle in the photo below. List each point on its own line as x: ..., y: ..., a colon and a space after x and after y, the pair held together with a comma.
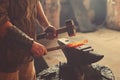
x: 59, y: 31
x: 56, y: 48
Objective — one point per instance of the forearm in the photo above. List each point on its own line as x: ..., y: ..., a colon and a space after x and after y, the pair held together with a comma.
x: 15, y: 35
x: 12, y: 34
x: 41, y: 16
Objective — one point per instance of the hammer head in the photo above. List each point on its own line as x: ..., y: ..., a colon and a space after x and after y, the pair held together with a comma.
x: 70, y: 28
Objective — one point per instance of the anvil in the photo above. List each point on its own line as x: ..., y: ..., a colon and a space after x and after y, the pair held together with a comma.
x: 80, y: 55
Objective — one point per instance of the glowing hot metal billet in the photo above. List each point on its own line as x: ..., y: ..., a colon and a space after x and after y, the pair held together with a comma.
x: 70, y: 45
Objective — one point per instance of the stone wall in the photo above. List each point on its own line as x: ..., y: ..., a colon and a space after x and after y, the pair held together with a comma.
x: 96, y: 10
x: 52, y: 11
x: 113, y: 14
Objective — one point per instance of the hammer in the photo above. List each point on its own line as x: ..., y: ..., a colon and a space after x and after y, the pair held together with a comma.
x: 70, y: 29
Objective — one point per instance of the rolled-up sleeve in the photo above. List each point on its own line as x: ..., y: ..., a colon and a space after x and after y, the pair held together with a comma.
x: 4, y: 11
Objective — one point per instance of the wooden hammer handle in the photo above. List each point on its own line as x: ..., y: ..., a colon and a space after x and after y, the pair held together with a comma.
x: 56, y: 48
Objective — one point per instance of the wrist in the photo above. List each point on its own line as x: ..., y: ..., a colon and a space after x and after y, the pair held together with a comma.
x: 45, y: 27
x: 3, y: 28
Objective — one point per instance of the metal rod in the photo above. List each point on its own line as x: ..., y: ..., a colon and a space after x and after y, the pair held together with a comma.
x: 56, y: 48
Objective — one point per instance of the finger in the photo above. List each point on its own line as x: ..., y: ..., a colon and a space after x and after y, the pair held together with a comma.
x: 39, y: 52
x: 49, y: 36
x: 44, y: 50
x: 54, y: 32
x: 45, y: 53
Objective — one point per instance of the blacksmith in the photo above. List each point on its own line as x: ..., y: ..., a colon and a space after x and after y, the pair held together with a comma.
x: 17, y: 38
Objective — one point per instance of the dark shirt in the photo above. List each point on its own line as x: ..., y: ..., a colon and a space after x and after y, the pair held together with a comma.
x: 22, y: 14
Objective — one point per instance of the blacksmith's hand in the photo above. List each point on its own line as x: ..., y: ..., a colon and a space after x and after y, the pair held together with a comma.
x: 51, y: 32
x: 38, y: 49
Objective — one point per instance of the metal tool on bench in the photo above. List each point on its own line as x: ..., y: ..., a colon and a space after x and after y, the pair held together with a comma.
x: 70, y: 29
